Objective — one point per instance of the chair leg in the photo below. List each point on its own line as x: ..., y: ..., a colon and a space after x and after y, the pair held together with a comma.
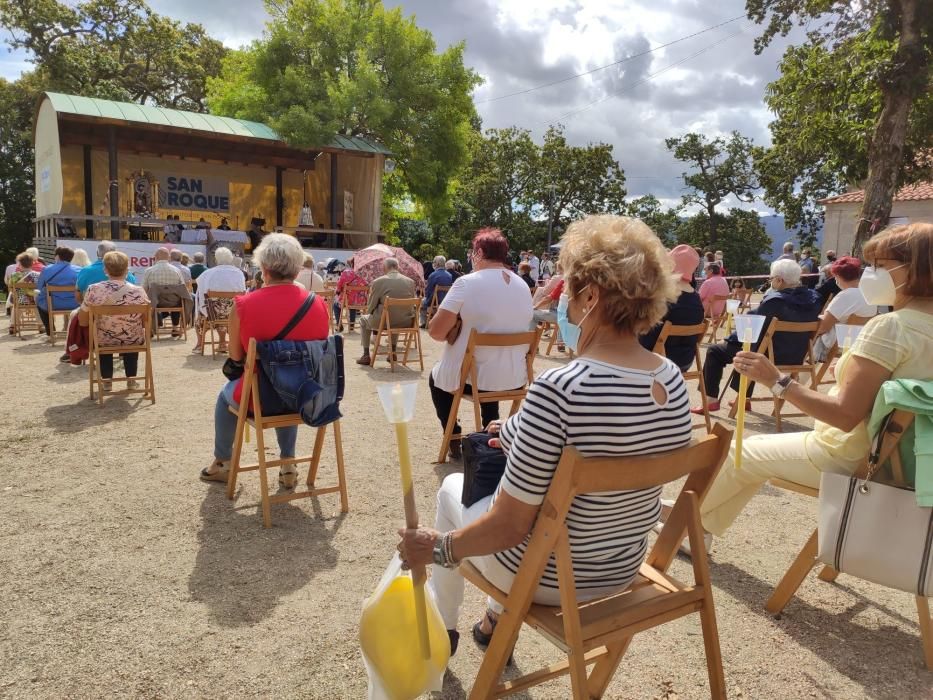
x: 828, y: 574
x: 926, y: 630
x: 420, y: 353
x: 794, y: 576
x: 605, y: 668
x: 263, y: 477
x: 235, y: 458
x: 449, y: 428
x: 341, y: 473
x: 316, y: 456
x: 477, y: 411
x: 149, y: 382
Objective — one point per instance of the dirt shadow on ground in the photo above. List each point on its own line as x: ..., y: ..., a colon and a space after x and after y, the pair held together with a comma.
x: 87, y: 413
x: 243, y: 570
x: 203, y: 363
x: 876, y: 659
x: 66, y: 373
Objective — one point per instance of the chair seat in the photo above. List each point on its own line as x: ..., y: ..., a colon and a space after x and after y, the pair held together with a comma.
x: 285, y: 420
x: 651, y: 594
x: 796, y: 488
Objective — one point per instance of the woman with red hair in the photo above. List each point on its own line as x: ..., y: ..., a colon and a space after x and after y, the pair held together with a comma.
x: 491, y: 299
x: 848, y: 302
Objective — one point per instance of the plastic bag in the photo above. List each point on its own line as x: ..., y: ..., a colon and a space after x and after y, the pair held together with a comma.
x: 390, y: 644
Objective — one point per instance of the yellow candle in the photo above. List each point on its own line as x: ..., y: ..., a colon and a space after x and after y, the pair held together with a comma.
x: 743, y: 392
x: 418, y: 574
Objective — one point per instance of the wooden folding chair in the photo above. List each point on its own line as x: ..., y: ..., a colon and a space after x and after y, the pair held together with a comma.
x: 159, y: 321
x: 715, y: 322
x: 745, y: 300
x: 546, y: 326
x: 143, y: 313
x: 392, y: 334
x: 349, y: 292
x: 469, y: 372
x: 671, y: 331
x: 599, y: 631
x: 25, y: 314
x: 218, y: 306
x: 766, y: 348
x: 328, y: 295
x: 249, y: 413
x: 435, y: 301
x: 794, y: 576
x: 835, y: 352
x: 64, y: 313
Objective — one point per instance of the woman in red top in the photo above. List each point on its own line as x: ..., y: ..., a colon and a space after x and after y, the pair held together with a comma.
x: 350, y: 277
x: 262, y: 315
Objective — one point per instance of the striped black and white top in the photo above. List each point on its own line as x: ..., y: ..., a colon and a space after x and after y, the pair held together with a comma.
x: 604, y: 411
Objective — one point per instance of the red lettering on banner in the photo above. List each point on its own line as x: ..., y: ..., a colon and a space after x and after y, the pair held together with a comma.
x: 140, y: 262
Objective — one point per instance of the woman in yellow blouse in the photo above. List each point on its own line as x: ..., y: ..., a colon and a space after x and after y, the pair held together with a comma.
x: 896, y: 345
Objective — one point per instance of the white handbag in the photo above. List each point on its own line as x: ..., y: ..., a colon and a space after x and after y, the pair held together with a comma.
x: 875, y: 531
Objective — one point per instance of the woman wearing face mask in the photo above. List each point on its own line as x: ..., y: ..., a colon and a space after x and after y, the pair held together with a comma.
x: 615, y: 399
x: 891, y: 346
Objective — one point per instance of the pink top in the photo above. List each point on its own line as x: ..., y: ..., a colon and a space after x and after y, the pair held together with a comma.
x: 710, y: 288
x: 350, y: 277
x: 117, y: 330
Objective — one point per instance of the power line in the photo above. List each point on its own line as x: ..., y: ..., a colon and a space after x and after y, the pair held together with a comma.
x: 629, y: 88
x: 609, y: 65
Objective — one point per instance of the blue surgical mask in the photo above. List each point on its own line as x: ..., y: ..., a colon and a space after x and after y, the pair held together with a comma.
x: 569, y: 332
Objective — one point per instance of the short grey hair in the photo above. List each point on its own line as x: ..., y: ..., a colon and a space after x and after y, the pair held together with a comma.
x: 439, y: 262
x: 789, y: 247
x: 199, y: 257
x: 787, y: 270
x: 161, y: 254
x: 309, y: 261
x: 105, y: 247
x: 390, y: 263
x: 34, y: 252
x: 451, y: 265
x: 280, y: 255
x: 224, y: 256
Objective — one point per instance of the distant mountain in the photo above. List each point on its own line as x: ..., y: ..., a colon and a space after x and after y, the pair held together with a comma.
x: 780, y: 234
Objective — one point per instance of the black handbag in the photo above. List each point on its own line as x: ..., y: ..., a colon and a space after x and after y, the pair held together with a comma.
x: 483, y: 467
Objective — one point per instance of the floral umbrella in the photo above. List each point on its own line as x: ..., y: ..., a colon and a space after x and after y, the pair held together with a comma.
x: 368, y: 263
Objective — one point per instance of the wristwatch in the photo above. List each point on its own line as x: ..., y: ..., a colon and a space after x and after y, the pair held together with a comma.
x: 442, y: 555
x: 780, y: 386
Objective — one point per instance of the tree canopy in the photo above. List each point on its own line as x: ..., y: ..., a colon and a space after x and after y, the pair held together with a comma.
x: 355, y: 68
x: 852, y: 105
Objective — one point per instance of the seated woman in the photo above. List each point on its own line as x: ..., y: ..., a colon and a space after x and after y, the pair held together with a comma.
x: 686, y: 311
x: 348, y: 277
x: 615, y: 399
x: 848, y: 302
x: 116, y: 330
x: 262, y: 315
x: 491, y: 299
x: 891, y: 346
x: 524, y: 271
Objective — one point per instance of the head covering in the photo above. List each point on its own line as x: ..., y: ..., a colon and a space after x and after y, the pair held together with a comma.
x: 685, y: 259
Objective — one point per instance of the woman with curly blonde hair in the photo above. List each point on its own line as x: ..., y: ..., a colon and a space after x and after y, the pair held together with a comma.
x: 615, y: 399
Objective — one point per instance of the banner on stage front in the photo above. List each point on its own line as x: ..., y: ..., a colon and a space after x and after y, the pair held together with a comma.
x: 199, y: 192
x: 140, y: 253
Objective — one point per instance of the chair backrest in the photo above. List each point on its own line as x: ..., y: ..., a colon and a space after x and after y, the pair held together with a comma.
x: 51, y: 289
x: 439, y: 289
x: 141, y: 313
x: 351, y: 291
x: 389, y: 304
x: 809, y: 328
x: 219, y: 305
x: 669, y: 330
x: 895, y: 428
x: 826, y: 303
x: 19, y: 291
x: 577, y: 475
x: 529, y: 339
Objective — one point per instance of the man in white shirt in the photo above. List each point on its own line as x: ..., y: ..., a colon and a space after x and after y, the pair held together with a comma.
x: 223, y: 277
x: 535, y: 266
x: 308, y: 278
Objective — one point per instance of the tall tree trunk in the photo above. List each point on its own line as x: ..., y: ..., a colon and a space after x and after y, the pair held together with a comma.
x: 885, y: 155
x: 713, y: 227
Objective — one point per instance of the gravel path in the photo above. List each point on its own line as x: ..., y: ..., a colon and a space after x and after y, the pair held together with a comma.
x: 124, y: 576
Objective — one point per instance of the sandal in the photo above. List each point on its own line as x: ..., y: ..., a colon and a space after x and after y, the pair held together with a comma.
x: 287, y: 480
x: 219, y: 474
x: 482, y: 639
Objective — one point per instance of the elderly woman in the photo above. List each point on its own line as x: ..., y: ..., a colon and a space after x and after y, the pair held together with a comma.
x: 895, y: 345
x: 308, y: 278
x: 848, y: 302
x: 615, y: 399
x: 263, y: 315
x: 491, y: 299
x: 348, y: 277
x: 225, y: 276
x: 116, y: 330
x: 25, y: 272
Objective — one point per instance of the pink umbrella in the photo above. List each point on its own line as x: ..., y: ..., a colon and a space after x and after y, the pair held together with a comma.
x: 368, y: 263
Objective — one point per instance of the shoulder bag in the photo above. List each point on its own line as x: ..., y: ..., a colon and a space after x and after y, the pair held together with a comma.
x: 874, y: 531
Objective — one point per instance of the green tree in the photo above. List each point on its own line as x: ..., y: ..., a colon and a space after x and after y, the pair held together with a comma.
x: 16, y: 168
x: 721, y: 167
x: 742, y: 239
x: 354, y: 68
x: 117, y: 49
x: 861, y: 75
x: 664, y: 222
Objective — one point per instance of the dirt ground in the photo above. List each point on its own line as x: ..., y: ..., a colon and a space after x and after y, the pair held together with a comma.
x: 125, y: 576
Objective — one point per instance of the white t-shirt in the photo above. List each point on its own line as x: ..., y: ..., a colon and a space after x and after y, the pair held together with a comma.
x: 310, y: 280
x: 535, y: 267
x: 491, y: 301
x: 849, y: 302
x: 223, y: 278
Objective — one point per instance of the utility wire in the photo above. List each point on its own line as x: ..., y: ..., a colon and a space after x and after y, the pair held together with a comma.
x: 629, y: 88
x: 609, y: 65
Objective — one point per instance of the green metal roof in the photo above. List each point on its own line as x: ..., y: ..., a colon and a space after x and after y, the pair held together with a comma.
x: 147, y: 114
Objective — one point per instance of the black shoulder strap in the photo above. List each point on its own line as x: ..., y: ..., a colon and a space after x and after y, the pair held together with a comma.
x: 296, y: 319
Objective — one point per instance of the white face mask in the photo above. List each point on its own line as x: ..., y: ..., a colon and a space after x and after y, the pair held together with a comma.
x: 877, y: 286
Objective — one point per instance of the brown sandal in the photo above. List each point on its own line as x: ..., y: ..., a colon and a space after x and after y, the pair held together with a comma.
x: 219, y: 474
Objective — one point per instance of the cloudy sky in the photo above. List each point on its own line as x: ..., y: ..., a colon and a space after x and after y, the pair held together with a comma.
x: 711, y: 83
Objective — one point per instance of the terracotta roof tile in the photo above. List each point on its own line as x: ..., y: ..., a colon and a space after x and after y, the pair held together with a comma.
x: 918, y: 191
